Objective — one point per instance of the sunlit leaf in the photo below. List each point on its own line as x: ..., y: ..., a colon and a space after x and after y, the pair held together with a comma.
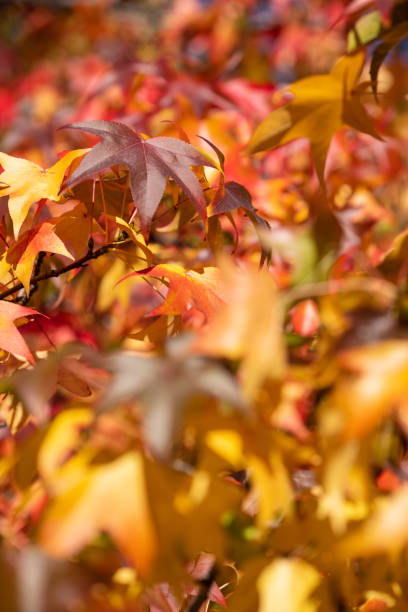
x: 321, y: 106
x: 110, y: 498
x: 26, y: 183
x: 248, y: 327
x: 286, y: 585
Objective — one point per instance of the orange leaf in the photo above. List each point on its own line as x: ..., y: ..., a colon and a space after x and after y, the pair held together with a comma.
x: 186, y: 289
x: 10, y: 338
x: 305, y: 318
x: 22, y: 255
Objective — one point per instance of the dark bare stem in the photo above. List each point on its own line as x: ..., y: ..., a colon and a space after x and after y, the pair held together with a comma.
x: 202, y: 595
x: 79, y: 263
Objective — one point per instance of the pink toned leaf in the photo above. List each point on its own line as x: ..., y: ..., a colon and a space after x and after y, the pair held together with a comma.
x: 150, y: 163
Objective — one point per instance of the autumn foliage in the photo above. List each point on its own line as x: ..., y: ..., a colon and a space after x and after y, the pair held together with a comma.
x: 203, y: 306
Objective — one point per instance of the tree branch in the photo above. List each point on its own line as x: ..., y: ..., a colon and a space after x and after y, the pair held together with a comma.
x: 79, y: 263
x: 202, y: 595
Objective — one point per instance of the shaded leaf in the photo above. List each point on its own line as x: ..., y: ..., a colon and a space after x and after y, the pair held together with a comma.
x: 164, y: 384
x: 394, y: 35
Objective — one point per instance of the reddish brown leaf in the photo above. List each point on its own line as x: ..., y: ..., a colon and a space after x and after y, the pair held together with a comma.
x: 150, y: 162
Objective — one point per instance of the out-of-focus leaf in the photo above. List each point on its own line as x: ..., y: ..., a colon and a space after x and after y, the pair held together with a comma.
x: 73, y: 228
x: 286, y: 585
x: 321, y: 106
x: 248, y: 327
x: 10, y: 338
x: 164, y: 384
x: 377, y: 601
x: 395, y: 257
x: 366, y: 29
x: 26, y: 183
x: 270, y: 482
x: 110, y: 498
x: 379, y: 381
x: 232, y: 195
x: 386, y: 531
x: 305, y: 318
x: 394, y: 35
x: 150, y: 162
x: 344, y: 496
x: 61, y: 439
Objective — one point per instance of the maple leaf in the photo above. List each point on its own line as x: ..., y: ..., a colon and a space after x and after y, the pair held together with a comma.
x: 150, y: 163
x: 286, y: 584
x: 110, y: 497
x: 10, y: 338
x: 25, y: 251
x: 322, y: 104
x: 248, y: 327
x: 186, y: 289
x: 26, y: 182
x: 386, y: 531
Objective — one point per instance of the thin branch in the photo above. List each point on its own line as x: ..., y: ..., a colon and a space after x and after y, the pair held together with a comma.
x: 202, y: 595
x: 79, y: 263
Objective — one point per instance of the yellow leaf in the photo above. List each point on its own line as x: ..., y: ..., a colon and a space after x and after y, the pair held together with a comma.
x: 109, y: 498
x: 344, y: 487
x: 227, y: 444
x: 248, y: 327
x: 377, y: 383
x: 286, y: 585
x: 272, y: 487
x: 62, y: 437
x: 322, y: 105
x: 26, y: 183
x: 385, y: 532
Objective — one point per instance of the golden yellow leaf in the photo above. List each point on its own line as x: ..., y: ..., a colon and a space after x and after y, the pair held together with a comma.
x: 109, y: 498
x: 271, y: 488
x: 385, y: 532
x: 344, y: 487
x: 26, y: 182
x: 248, y: 327
x: 62, y: 437
x: 322, y: 105
x: 286, y: 585
x: 378, y: 384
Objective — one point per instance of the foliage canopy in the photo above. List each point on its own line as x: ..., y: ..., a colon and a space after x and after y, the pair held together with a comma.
x: 204, y: 306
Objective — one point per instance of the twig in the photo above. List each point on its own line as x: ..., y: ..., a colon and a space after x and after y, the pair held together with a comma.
x: 79, y: 263
x: 202, y: 595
